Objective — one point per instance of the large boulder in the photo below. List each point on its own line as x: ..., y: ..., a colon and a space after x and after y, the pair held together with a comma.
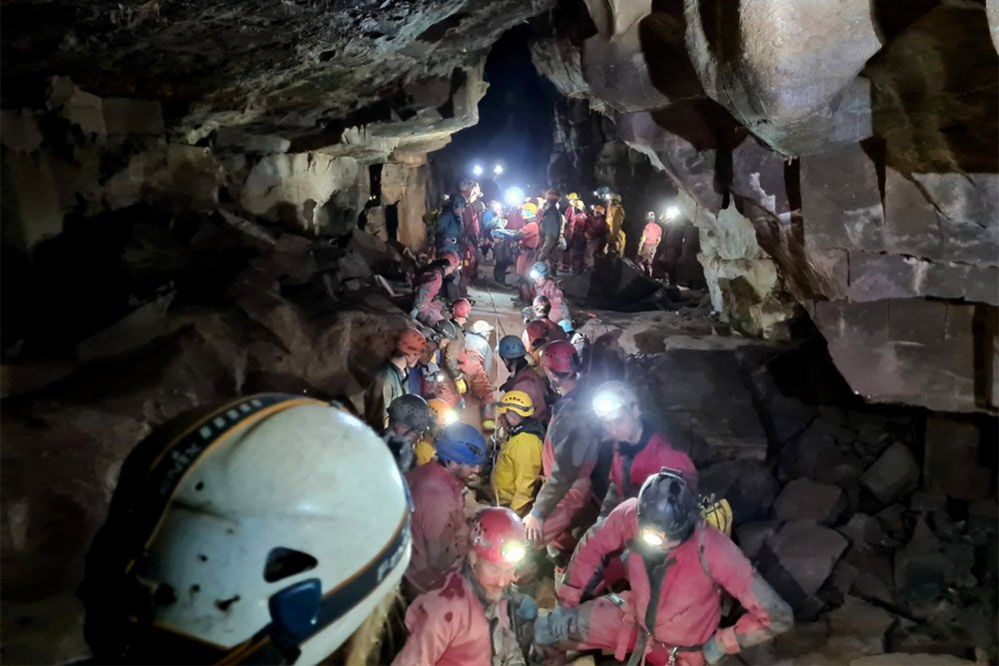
x: 784, y: 83
x: 804, y: 499
x: 909, y: 351
x: 894, y: 474
x: 797, y: 560
x: 751, y: 536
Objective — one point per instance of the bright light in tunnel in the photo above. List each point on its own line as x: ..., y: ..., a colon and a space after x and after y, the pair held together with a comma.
x: 672, y: 212
x: 514, y: 196
x: 477, y: 170
x: 498, y: 169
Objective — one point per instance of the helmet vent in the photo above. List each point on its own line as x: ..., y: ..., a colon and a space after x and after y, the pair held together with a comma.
x: 285, y: 562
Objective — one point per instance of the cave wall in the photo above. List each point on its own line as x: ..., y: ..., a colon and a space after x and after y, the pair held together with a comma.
x: 80, y: 156
x: 845, y: 162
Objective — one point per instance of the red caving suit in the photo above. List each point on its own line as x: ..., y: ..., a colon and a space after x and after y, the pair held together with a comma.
x: 427, y: 307
x: 642, y: 460
x: 440, y: 533
x: 450, y: 626
x: 688, y: 609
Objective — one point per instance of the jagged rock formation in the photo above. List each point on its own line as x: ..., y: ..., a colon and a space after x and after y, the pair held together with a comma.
x: 837, y: 155
x: 279, y: 109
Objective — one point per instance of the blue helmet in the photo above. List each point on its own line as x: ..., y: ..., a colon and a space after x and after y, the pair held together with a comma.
x: 462, y: 444
x: 539, y: 270
x: 566, y: 326
x: 511, y: 347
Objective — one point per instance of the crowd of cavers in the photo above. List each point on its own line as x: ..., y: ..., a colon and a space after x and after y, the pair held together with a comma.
x: 272, y: 529
x: 561, y: 232
x: 556, y: 468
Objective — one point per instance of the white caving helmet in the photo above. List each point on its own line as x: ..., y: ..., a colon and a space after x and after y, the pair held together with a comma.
x: 265, y: 532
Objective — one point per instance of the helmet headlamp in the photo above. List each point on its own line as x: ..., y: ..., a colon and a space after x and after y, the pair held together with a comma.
x: 513, y: 552
x: 652, y: 537
x: 606, y: 405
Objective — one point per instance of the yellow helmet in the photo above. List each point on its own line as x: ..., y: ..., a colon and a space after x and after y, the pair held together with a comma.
x: 615, y: 198
x: 530, y: 208
x: 517, y: 402
x: 572, y: 196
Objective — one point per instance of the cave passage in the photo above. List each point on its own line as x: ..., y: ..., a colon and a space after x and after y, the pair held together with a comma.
x: 420, y: 331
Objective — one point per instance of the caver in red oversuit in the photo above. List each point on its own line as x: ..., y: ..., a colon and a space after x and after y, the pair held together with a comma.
x: 577, y: 222
x: 428, y: 306
x: 565, y: 500
x: 597, y: 233
x: 539, y: 332
x: 529, y: 238
x: 677, y: 569
x: 639, y: 451
x: 440, y: 533
x: 470, y: 218
x: 649, y: 243
x: 547, y: 287
x: 472, y: 618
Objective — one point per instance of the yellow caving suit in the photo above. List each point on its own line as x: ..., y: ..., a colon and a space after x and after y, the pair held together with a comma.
x: 615, y: 222
x: 517, y: 468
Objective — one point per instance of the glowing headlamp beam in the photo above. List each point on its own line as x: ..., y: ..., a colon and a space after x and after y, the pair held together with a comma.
x: 606, y: 405
x: 477, y: 170
x: 652, y: 538
x: 513, y: 552
x: 513, y: 196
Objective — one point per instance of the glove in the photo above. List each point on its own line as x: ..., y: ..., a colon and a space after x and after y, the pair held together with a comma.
x: 462, y: 385
x: 554, y: 627
x: 713, y: 652
x: 527, y: 608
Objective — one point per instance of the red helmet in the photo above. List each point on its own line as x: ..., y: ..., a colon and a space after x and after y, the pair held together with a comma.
x: 452, y: 259
x: 411, y: 342
x: 498, y: 536
x: 461, y: 307
x: 559, y: 357
x: 536, y: 332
